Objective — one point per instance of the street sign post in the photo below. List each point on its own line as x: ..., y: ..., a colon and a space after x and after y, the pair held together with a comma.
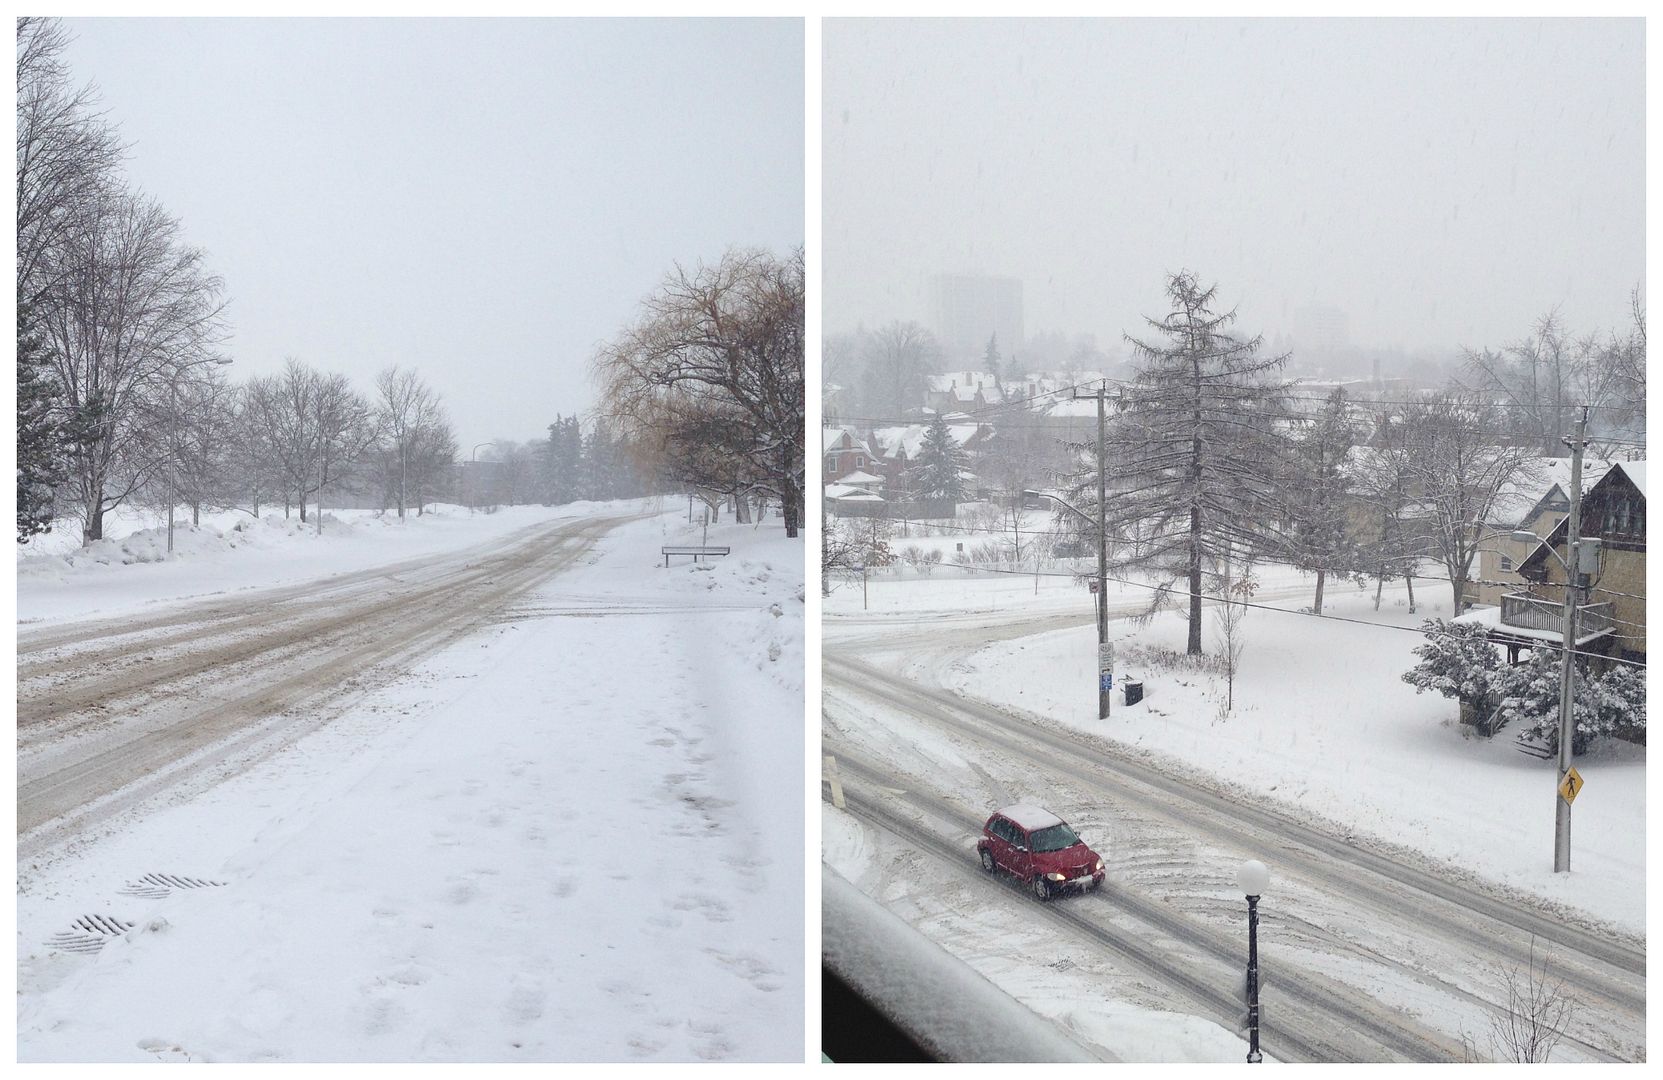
x: 1570, y: 785
x: 1105, y: 669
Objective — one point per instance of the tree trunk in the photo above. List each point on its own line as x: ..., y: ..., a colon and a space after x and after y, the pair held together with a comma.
x: 1317, y: 607
x: 1409, y: 580
x: 791, y: 504
x: 1379, y: 587
x: 1195, y: 582
x: 196, y: 514
x: 94, y: 527
x: 741, y: 510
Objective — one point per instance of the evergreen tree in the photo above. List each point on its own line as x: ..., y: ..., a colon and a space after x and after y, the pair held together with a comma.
x: 40, y: 438
x: 1193, y: 461
x: 1601, y: 704
x: 940, y: 461
x: 1317, y: 494
x: 1458, y: 661
x: 563, y: 461
x: 990, y: 358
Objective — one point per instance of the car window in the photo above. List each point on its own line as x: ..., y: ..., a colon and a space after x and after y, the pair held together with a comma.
x: 1005, y: 831
x: 1054, y: 838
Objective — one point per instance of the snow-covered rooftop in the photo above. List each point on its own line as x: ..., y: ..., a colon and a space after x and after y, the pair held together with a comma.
x: 1636, y: 471
x: 1534, y: 480
x: 860, y: 478
x: 910, y: 438
x: 1031, y: 817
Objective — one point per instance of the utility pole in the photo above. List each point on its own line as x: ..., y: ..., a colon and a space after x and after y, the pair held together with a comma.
x: 1105, y: 669
x: 1567, y: 672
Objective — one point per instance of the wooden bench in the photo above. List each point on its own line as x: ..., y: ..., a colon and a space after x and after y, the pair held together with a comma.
x: 694, y: 550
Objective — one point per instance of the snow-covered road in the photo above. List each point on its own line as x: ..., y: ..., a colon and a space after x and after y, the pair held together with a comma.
x: 527, y: 804
x: 1374, y: 955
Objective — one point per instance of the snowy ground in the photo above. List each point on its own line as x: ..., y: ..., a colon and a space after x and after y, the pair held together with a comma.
x: 574, y: 836
x: 1322, y: 722
x: 1322, y: 728
x: 130, y: 570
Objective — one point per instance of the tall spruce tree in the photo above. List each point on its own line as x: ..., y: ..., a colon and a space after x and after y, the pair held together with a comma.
x: 1317, y: 487
x: 990, y: 357
x: 1192, y: 457
x: 41, y: 440
x: 940, y: 463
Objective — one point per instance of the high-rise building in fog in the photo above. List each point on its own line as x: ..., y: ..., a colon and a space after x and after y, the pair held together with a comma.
x: 1321, y: 330
x: 966, y: 309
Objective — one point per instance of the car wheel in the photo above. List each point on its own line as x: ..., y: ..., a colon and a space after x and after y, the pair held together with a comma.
x: 1042, y: 888
x: 987, y: 860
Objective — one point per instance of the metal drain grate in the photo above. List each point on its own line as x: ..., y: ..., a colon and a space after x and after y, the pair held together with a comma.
x: 89, y: 933
x: 157, y: 886
x: 1065, y: 964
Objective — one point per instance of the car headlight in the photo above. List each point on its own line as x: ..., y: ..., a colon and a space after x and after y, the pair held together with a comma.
x: 1055, y: 877
x: 1099, y: 866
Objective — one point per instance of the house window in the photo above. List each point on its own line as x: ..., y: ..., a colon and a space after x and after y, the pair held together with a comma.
x: 860, y: 462
x: 1507, y: 562
x: 831, y: 463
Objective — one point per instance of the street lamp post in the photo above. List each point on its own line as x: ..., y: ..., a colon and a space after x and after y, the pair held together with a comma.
x: 1254, y: 879
x: 1103, y: 667
x: 473, y: 474
x: 173, y: 419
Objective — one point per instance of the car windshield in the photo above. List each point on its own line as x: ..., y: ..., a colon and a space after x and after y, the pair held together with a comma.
x: 1054, y: 838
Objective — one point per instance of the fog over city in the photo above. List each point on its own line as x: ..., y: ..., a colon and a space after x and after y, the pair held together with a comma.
x: 1424, y: 185
x: 483, y: 201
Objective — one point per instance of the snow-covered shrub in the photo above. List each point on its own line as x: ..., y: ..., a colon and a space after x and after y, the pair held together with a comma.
x: 1603, y: 704
x: 1458, y: 661
x: 1157, y: 658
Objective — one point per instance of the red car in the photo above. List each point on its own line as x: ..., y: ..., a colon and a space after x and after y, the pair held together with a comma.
x: 1038, y: 847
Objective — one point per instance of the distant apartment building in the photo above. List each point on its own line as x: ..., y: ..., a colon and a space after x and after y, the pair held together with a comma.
x: 1321, y: 330
x: 967, y: 309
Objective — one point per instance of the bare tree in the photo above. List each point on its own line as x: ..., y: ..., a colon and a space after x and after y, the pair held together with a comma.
x: 1541, y: 377
x: 899, y: 358
x: 716, y: 362
x: 198, y: 421
x: 432, y: 461
x: 1537, y: 1012
x: 1380, y: 477
x: 1237, y: 593
x: 317, y: 426
x: 67, y: 154
x: 406, y: 407
x: 132, y: 310
x: 1455, y: 469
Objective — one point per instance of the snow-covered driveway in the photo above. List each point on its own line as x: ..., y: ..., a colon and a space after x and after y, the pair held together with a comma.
x: 572, y: 835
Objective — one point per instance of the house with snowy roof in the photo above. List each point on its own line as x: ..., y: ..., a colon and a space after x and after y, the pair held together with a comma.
x: 1533, y: 500
x: 963, y: 391
x: 842, y: 453
x: 1611, y: 619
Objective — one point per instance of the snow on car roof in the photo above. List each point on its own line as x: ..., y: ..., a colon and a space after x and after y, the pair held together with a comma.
x: 1031, y: 817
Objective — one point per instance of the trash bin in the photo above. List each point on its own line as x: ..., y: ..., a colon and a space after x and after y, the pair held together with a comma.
x: 1134, y: 691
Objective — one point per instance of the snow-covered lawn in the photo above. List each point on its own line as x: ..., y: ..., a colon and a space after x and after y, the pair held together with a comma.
x: 574, y: 836
x: 1323, y: 723
x: 131, y: 569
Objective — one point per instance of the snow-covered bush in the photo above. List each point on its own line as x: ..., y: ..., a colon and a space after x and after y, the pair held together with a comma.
x: 1458, y: 661
x: 1603, y: 704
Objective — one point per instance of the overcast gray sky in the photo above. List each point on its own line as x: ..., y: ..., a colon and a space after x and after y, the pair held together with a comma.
x: 483, y: 200
x: 1441, y: 182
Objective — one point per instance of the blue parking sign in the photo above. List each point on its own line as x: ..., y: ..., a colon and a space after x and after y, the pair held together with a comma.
x: 1106, y: 681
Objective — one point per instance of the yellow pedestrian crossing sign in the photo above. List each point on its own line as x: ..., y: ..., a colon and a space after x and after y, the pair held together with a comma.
x: 1570, y: 784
